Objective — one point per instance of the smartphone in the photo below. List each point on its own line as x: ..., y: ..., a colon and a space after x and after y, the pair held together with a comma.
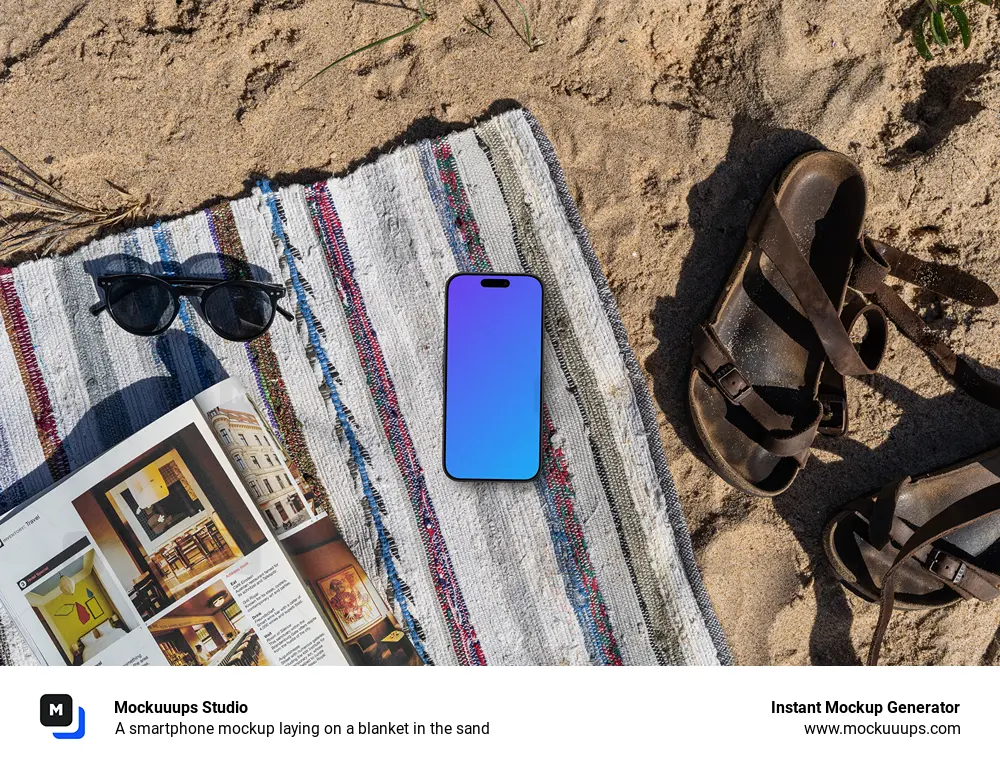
x: 493, y: 377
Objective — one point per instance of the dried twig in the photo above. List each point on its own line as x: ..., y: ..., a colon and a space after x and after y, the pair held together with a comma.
x: 525, y: 33
x: 41, y: 215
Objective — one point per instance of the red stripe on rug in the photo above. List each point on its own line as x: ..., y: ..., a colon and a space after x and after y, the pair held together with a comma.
x: 555, y: 475
x: 383, y: 392
x: 16, y: 323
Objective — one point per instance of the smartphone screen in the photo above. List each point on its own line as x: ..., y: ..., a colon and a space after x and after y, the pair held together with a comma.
x: 493, y: 377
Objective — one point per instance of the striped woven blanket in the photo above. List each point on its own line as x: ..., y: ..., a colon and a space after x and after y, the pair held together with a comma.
x: 591, y: 563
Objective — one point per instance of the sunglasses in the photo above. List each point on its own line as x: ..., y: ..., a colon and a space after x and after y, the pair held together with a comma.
x: 236, y: 309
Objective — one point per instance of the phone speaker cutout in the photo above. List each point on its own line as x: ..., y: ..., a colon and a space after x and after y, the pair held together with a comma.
x: 495, y: 283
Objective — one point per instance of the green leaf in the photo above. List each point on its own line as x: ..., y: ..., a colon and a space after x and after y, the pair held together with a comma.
x: 478, y: 28
x: 954, y: 2
x: 527, y: 25
x: 938, y: 29
x: 963, y: 24
x: 920, y: 40
x: 412, y: 28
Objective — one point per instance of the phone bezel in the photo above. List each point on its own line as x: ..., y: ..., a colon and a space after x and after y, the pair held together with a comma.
x: 541, y: 349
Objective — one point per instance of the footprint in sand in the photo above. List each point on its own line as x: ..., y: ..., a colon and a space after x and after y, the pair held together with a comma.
x: 754, y: 573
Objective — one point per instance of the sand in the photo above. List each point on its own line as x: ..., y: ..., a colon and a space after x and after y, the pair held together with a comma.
x: 670, y: 118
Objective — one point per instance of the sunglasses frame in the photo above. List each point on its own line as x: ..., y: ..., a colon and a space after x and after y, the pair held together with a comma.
x: 191, y: 287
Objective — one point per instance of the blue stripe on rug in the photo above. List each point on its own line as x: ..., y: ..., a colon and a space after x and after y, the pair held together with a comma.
x: 168, y: 257
x: 278, y: 232
x: 383, y: 392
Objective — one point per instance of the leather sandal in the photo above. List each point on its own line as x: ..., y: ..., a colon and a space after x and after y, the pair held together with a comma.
x: 769, y: 365
x: 922, y: 543
x: 874, y: 261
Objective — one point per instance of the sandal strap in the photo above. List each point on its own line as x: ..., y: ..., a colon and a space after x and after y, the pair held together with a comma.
x: 949, y: 566
x: 882, y: 521
x: 971, y: 508
x: 956, y: 368
x: 961, y: 575
x: 715, y: 361
x: 876, y: 258
x: 939, y: 278
x: 773, y: 236
x: 832, y: 392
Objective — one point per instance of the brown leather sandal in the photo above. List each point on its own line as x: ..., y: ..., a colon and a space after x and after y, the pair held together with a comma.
x: 923, y: 543
x: 769, y: 365
x: 760, y: 388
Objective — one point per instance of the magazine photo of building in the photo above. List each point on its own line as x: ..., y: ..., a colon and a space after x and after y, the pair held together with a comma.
x: 78, y: 605
x: 362, y: 618
x: 281, y: 494
x: 169, y: 521
x: 208, y: 629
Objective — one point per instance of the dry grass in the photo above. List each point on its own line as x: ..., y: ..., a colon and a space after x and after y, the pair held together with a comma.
x: 35, y: 216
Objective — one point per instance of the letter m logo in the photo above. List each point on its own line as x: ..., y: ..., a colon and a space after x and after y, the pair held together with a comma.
x: 56, y: 710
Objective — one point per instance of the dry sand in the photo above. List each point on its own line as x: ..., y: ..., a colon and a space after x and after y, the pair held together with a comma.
x: 670, y: 117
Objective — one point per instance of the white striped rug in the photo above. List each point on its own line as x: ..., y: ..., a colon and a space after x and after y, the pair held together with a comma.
x: 591, y: 563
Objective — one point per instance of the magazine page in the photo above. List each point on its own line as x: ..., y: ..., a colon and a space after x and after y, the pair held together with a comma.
x: 352, y: 606
x: 152, y: 555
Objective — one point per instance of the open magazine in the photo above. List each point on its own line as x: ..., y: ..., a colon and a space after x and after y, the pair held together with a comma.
x: 194, y: 542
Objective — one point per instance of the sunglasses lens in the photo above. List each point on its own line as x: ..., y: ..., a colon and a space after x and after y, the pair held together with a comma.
x: 238, y: 311
x: 140, y: 304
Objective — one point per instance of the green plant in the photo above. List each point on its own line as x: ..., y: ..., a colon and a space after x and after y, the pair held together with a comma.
x: 422, y: 17
x: 41, y: 215
x: 932, y: 18
x: 525, y: 33
x: 482, y: 30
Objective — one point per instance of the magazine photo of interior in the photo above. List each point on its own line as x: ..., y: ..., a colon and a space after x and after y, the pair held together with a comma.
x: 169, y: 521
x: 364, y: 622
x: 282, y: 496
x: 79, y: 607
x: 208, y: 629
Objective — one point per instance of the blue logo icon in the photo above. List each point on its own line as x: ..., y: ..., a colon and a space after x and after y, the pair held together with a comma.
x: 56, y: 710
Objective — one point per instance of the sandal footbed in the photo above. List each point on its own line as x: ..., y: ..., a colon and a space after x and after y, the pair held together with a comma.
x: 822, y: 198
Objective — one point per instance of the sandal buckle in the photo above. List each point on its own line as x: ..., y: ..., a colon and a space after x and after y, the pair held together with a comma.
x: 732, y: 384
x: 834, y: 420
x: 946, y: 570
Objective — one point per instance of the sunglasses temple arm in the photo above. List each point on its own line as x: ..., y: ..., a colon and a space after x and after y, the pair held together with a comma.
x: 285, y: 313
x: 98, y: 308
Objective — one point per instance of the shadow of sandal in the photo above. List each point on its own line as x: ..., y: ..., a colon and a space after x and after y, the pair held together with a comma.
x: 720, y: 209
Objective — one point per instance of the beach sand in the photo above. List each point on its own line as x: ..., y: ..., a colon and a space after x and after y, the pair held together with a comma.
x: 670, y: 118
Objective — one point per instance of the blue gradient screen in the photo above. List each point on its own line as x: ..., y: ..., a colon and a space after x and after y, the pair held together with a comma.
x: 493, y: 385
